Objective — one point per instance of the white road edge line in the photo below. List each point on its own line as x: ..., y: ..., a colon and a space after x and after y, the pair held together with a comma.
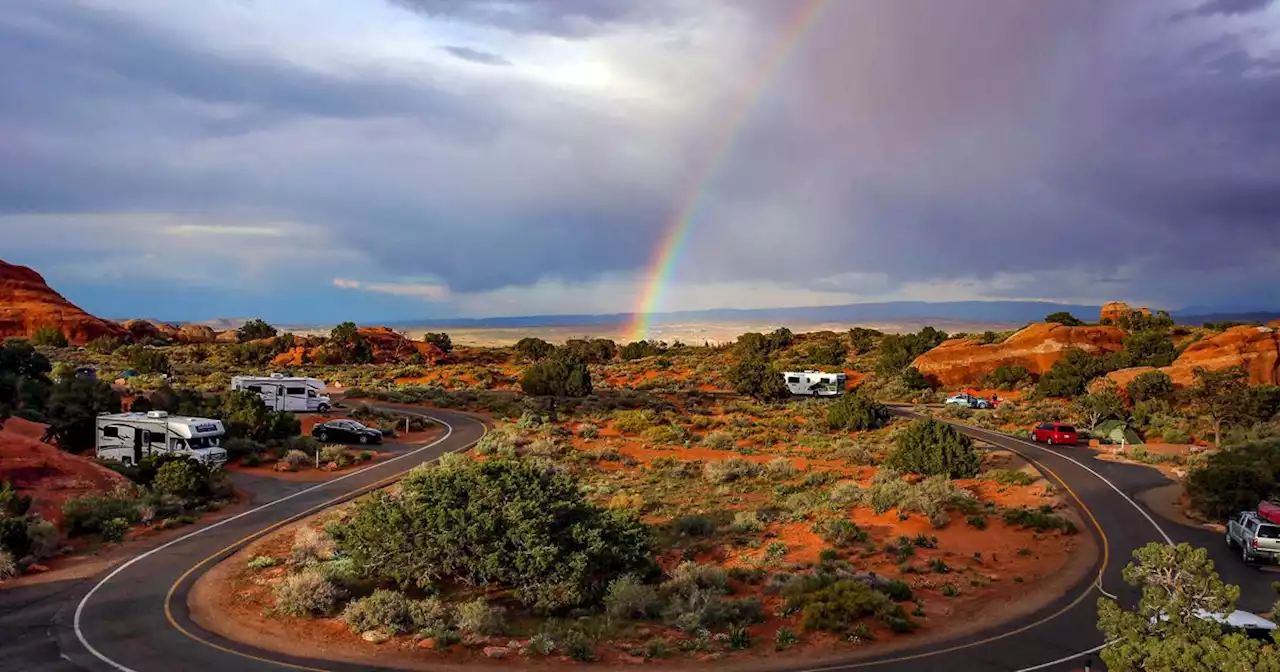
x: 85, y: 600
x: 1132, y: 503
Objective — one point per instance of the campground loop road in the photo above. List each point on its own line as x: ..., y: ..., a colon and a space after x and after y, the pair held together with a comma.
x: 136, y: 620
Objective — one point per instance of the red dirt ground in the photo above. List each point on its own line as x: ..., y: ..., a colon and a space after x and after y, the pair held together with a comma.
x: 49, y: 475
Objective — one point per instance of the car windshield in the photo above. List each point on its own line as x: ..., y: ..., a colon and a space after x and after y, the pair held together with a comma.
x: 1268, y: 532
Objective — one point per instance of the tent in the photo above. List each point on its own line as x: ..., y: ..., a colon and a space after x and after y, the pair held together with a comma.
x: 1117, y: 432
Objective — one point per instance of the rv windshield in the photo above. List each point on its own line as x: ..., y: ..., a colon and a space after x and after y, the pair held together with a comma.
x: 204, y: 442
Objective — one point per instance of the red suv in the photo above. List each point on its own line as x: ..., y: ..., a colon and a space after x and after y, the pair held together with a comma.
x: 1055, y: 433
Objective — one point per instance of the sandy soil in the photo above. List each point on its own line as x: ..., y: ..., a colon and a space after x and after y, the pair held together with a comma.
x: 46, y: 473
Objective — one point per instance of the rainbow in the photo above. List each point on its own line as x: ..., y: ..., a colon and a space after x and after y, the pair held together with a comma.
x: 676, y: 229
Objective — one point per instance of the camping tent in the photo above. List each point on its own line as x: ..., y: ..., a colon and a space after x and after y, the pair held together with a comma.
x: 1117, y: 432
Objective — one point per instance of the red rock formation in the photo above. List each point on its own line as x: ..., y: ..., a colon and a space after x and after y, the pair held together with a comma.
x: 389, y: 347
x: 1255, y: 349
x: 1113, y: 312
x: 228, y: 336
x: 28, y: 304
x: 146, y: 329
x: 196, y: 333
x: 49, y: 475
x: 1274, y: 324
x: 1036, y: 348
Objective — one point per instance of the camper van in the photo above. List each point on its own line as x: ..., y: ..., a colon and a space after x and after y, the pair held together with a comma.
x: 281, y: 393
x: 815, y: 383
x: 129, y: 437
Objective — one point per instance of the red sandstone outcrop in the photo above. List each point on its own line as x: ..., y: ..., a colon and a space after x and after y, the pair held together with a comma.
x: 389, y: 347
x: 1036, y: 348
x: 228, y: 336
x: 28, y: 304
x: 1255, y: 349
x: 1114, y: 311
x: 147, y: 329
x: 196, y: 333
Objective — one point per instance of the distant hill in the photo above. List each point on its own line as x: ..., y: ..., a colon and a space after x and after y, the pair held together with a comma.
x: 970, y: 311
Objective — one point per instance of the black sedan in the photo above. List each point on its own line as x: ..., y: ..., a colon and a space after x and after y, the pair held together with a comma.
x: 345, y: 431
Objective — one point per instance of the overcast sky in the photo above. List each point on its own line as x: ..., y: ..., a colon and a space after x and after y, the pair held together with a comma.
x: 392, y: 159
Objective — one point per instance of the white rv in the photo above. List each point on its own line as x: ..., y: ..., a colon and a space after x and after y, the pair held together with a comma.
x: 129, y: 437
x: 815, y: 383
x: 281, y: 393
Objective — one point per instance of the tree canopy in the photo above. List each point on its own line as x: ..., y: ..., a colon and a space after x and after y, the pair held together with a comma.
x: 440, y: 340
x: 74, y: 406
x: 1064, y: 318
x: 1165, y: 631
x: 933, y: 448
x: 24, y: 377
x: 756, y: 378
x: 254, y: 330
x: 560, y: 375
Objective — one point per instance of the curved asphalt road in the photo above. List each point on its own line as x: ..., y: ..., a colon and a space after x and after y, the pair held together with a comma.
x: 122, y: 623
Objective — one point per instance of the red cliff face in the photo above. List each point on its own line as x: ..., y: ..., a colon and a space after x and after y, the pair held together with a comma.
x: 1114, y: 311
x: 27, y: 304
x: 1036, y: 348
x: 1254, y: 349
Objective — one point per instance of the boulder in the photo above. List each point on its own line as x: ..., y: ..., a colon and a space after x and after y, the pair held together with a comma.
x: 1255, y: 349
x: 28, y: 304
x: 147, y: 329
x: 228, y: 336
x: 375, y: 636
x: 496, y: 652
x: 196, y: 333
x: 966, y: 361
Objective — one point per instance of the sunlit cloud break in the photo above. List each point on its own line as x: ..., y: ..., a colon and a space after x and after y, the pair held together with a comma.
x: 426, y: 291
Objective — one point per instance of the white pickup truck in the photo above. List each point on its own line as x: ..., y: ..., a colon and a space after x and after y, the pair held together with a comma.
x: 1257, y: 538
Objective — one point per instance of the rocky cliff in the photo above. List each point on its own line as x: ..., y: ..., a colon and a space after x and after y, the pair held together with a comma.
x: 1036, y: 348
x: 28, y: 304
x: 1114, y: 311
x: 1255, y: 349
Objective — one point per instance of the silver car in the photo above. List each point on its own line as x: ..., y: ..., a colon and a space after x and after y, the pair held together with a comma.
x: 1257, y: 539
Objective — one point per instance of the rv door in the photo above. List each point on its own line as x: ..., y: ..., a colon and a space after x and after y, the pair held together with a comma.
x: 139, y: 437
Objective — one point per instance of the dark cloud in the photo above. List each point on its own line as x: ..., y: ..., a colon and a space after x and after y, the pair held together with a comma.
x: 1062, y: 150
x: 476, y: 55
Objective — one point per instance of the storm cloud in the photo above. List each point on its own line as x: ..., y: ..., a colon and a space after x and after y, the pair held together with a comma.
x: 489, y: 157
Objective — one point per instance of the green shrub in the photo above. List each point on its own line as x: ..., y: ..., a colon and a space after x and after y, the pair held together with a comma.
x: 49, y: 336
x: 262, y: 562
x: 588, y: 431
x: 933, y: 448
x: 689, y: 575
x: 666, y: 435
x: 780, y: 468
x: 634, y: 422
x: 1236, y: 478
x: 784, y: 637
x: 306, y: 594
x: 897, y: 590
x: 90, y: 514
x: 747, y: 521
x: 755, y: 377
x: 579, y: 646
x: 1150, y: 385
x: 1010, y: 477
x: 856, y: 412
x: 477, y: 617
x: 719, y: 441
x: 838, y: 607
x: 393, y: 613
x: 1039, y: 520
x: 335, y: 454
x: 181, y: 478
x: 559, y: 375
x: 629, y: 597
x: 840, y: 532
x: 8, y: 566
x: 977, y: 521
x: 727, y: 471
x: 526, y: 526
x: 1007, y: 378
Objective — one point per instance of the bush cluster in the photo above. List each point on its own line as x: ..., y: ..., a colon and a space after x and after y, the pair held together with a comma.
x: 1236, y: 478
x: 933, y: 448
x: 856, y: 413
x: 507, y: 522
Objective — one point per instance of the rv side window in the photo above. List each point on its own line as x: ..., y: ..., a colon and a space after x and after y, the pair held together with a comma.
x: 111, y: 432
x: 793, y: 379
x: 296, y: 390
x: 255, y: 388
x: 157, y: 437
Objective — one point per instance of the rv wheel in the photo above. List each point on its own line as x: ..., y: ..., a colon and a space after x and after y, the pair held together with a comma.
x: 323, y: 408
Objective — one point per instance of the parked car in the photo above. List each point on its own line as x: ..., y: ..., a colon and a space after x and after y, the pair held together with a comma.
x: 345, y: 431
x: 1251, y: 625
x: 1055, y: 433
x: 1257, y: 538
x: 969, y: 401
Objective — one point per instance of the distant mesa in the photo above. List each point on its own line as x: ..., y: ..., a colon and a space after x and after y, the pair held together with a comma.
x: 28, y: 304
x: 966, y: 361
x: 1255, y: 349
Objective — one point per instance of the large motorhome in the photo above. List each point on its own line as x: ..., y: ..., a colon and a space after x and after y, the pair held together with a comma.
x: 815, y: 383
x: 129, y: 437
x: 282, y: 393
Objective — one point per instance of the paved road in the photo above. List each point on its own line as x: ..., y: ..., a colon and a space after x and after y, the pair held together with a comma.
x: 124, y: 622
